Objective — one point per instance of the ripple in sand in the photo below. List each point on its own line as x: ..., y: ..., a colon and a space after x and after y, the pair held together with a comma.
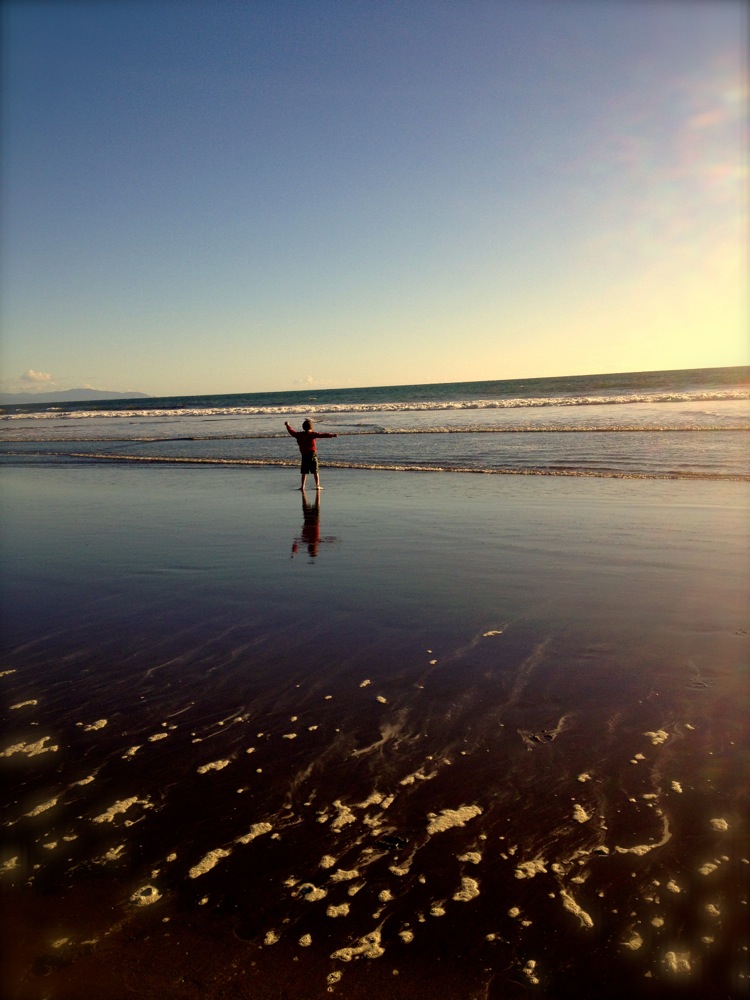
x: 93, y: 726
x: 634, y: 942
x: 215, y: 765
x: 30, y: 749
x: 345, y: 816
x: 572, y: 907
x: 341, y: 875
x: 113, y: 854
x: 311, y: 893
x: 368, y: 946
x: 449, y: 818
x: 375, y: 799
x: 146, y: 896
x: 469, y: 890
x: 579, y: 814
x: 708, y: 868
x: 43, y: 807
x: 528, y: 869
x: 641, y: 849
x: 256, y: 830
x: 419, y: 775
x: 471, y: 857
x: 209, y: 861
x: 121, y: 807
x: 529, y: 970
x: 678, y: 962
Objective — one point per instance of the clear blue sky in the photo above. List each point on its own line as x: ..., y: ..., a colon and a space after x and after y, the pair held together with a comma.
x: 239, y: 196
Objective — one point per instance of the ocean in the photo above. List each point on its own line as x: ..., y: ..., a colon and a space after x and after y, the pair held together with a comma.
x: 671, y: 424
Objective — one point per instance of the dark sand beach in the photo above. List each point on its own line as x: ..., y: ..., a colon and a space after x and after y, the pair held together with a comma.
x: 469, y: 736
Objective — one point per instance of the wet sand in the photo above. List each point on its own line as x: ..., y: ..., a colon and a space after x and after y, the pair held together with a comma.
x: 471, y: 735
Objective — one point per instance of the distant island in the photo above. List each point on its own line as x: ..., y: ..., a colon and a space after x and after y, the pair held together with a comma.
x: 66, y: 396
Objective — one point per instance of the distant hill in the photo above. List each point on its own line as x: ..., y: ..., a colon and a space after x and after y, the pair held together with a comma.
x: 67, y: 396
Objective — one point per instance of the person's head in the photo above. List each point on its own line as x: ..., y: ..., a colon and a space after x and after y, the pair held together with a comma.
x: 307, y: 425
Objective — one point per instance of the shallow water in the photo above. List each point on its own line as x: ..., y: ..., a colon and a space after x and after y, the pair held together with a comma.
x: 482, y: 731
x: 695, y: 437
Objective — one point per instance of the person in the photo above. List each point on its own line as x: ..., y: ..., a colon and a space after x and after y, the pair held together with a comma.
x: 306, y: 439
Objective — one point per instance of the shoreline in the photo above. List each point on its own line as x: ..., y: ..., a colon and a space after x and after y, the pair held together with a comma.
x: 271, y: 463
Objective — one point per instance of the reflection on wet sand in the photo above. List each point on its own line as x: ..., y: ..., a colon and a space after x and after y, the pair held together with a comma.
x: 310, y: 534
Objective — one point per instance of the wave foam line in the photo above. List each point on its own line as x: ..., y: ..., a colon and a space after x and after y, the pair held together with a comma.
x: 387, y: 407
x: 388, y: 467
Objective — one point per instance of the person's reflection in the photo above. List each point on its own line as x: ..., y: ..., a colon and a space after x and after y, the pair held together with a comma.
x: 310, y: 534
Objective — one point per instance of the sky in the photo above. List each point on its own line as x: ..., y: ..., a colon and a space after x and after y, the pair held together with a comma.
x: 210, y: 197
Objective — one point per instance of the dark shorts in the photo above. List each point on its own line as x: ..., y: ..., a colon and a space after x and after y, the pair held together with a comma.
x: 309, y: 463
